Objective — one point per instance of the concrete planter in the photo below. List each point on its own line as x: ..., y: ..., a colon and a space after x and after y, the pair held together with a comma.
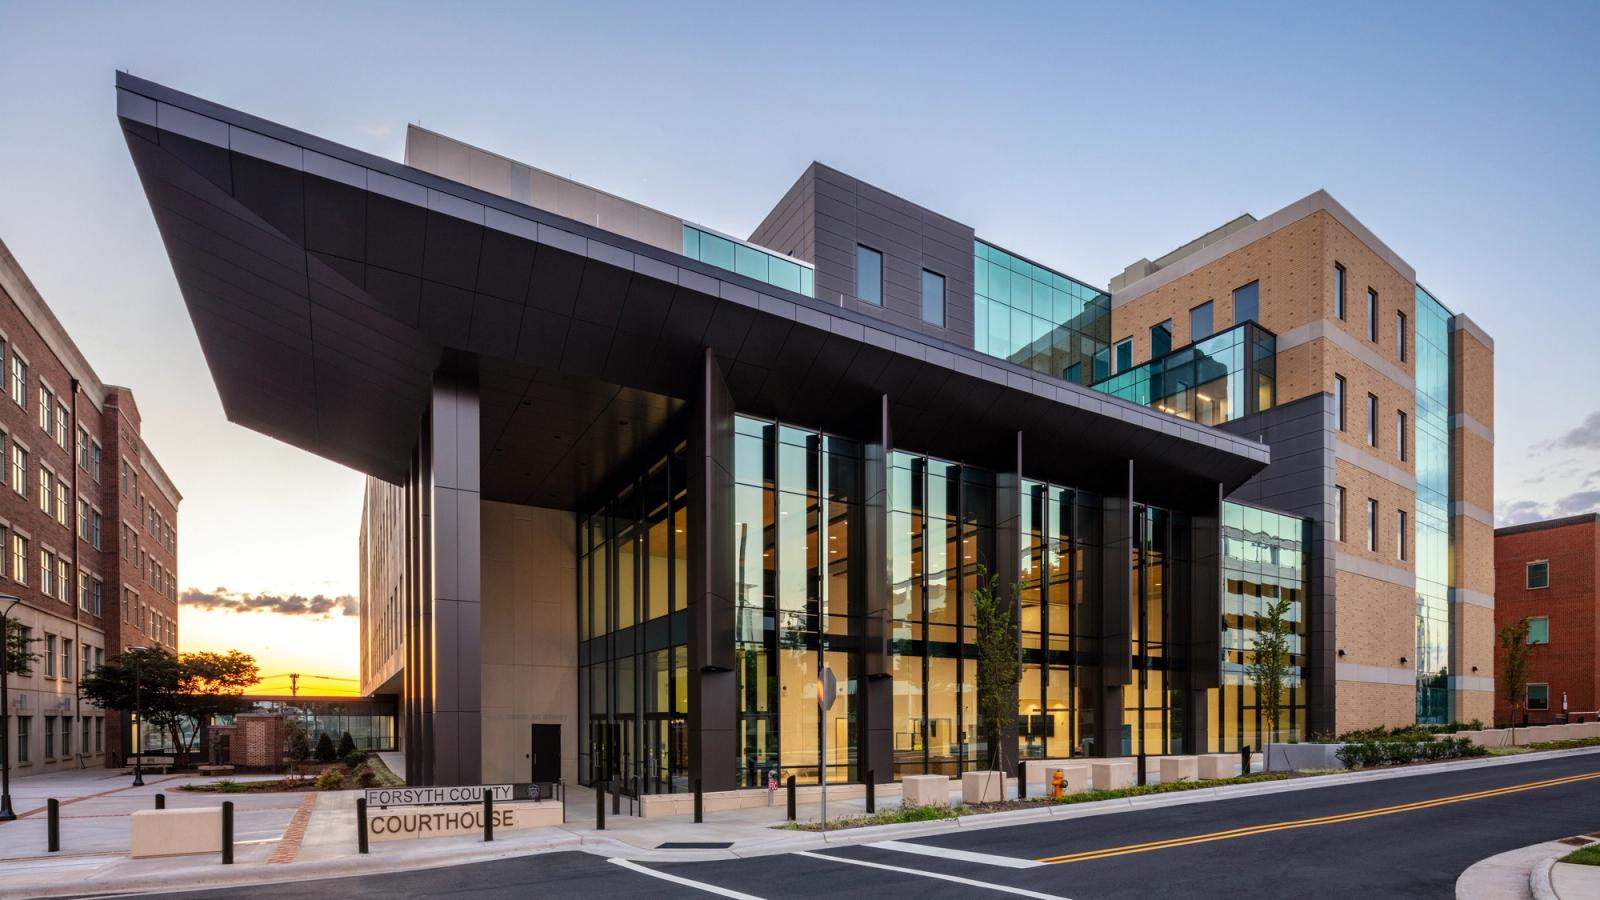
x: 1298, y: 757
x: 982, y: 787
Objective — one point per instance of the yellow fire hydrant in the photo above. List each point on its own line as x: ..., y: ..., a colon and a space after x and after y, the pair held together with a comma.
x: 1058, y: 784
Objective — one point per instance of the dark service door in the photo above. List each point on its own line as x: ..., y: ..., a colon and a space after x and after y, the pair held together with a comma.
x: 546, y: 753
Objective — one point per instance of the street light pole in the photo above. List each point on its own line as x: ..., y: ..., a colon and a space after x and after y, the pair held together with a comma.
x: 6, y: 813
x: 138, y: 717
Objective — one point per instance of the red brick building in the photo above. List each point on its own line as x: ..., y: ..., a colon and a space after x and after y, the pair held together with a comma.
x: 1546, y: 572
x: 88, y: 532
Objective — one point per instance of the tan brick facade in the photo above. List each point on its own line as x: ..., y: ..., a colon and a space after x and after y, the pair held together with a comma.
x: 1295, y: 255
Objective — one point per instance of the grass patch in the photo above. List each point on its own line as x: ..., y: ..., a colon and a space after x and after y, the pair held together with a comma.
x: 386, y: 777
x: 263, y: 786
x: 1584, y: 856
x: 1508, y: 751
x: 936, y: 813
x: 1573, y: 744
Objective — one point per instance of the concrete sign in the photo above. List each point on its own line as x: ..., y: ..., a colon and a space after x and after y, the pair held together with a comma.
x: 424, y: 796
x: 412, y: 822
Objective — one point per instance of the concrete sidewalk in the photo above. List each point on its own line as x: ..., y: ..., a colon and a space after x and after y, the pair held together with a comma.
x: 95, y: 832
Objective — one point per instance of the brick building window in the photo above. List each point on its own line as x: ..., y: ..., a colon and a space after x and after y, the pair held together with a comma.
x: 1400, y: 534
x: 1400, y: 434
x: 1538, y: 629
x: 19, y: 380
x: 1372, y: 525
x: 1400, y: 336
x: 24, y: 726
x: 1338, y: 291
x: 1538, y: 574
x: 19, y: 468
x: 1372, y: 315
x: 19, y: 558
x: 47, y: 411
x: 1538, y: 697
x: 1338, y: 401
x: 1338, y: 513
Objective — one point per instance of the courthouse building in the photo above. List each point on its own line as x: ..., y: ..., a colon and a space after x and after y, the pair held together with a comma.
x: 636, y: 482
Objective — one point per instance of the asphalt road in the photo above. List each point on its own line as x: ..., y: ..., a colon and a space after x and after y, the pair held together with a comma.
x: 1402, y: 837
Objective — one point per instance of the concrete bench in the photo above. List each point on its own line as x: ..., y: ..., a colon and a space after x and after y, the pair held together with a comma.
x: 1178, y: 768
x: 985, y: 786
x: 1217, y: 765
x: 925, y: 790
x: 1110, y: 774
x: 173, y: 832
x: 216, y: 770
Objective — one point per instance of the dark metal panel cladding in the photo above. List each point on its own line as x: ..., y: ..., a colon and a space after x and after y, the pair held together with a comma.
x: 712, y: 680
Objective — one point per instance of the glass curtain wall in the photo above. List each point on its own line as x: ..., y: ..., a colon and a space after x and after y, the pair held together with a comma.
x: 941, y: 529
x: 797, y: 525
x: 1210, y: 381
x: 633, y: 655
x: 1263, y: 560
x: 1432, y: 541
x: 1039, y: 318
x: 1060, y: 577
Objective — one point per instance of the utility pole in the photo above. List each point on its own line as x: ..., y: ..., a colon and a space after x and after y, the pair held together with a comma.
x: 294, y: 685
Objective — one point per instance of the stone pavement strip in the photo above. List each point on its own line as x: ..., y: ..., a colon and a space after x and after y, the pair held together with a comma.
x: 289, y: 836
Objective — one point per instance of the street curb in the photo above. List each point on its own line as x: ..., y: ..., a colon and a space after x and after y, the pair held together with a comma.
x: 1539, y: 879
x: 770, y: 841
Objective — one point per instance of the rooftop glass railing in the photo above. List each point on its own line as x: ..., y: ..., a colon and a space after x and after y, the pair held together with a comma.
x: 1211, y: 381
x: 749, y: 260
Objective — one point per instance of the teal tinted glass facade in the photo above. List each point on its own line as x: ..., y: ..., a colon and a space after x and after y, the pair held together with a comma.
x: 1211, y: 381
x: 1264, y: 559
x: 748, y: 260
x: 1433, y: 509
x: 1039, y: 318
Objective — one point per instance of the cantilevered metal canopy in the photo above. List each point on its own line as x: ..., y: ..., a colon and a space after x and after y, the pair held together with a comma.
x: 327, y: 286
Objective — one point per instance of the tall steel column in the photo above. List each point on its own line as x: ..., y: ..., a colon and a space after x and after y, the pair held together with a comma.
x: 452, y: 530
x: 713, y: 682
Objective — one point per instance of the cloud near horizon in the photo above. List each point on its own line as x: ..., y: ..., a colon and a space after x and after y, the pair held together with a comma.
x: 318, y: 606
x: 1585, y: 437
x: 1518, y: 512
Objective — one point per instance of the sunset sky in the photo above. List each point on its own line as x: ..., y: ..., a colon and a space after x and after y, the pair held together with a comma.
x: 1032, y: 122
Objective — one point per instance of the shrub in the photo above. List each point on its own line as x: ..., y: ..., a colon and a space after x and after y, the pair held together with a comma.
x: 347, y: 746
x: 355, y: 759
x: 365, y: 777
x: 1370, y: 753
x: 325, y: 748
x: 330, y: 779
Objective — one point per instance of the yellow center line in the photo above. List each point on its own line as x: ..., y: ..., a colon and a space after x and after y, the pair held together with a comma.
x: 1250, y: 830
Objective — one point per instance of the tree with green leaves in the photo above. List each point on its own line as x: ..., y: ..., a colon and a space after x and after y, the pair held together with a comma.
x: 999, y: 663
x: 296, y: 743
x: 19, y: 649
x: 325, y: 750
x: 169, y: 689
x: 1514, y: 652
x: 1269, y: 668
x: 347, y: 745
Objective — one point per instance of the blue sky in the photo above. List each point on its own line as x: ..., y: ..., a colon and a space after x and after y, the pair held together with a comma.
x: 1084, y: 136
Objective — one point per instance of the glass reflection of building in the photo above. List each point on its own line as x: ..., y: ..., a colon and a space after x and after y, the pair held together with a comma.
x: 1432, y: 540
x: 1264, y: 560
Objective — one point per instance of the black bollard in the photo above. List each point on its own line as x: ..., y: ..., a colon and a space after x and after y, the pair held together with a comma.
x: 488, y: 815
x: 1244, y: 760
x: 872, y: 799
x: 227, y: 832
x: 599, y: 805
x: 699, y: 803
x: 1022, y: 781
x: 161, y: 801
x: 616, y: 796
x: 791, y: 798
x: 53, y: 825
x: 1141, y: 767
x: 361, y: 825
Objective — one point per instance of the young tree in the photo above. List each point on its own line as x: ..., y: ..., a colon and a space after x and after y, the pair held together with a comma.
x: 296, y: 743
x: 347, y: 745
x: 1515, y: 649
x: 1270, y: 668
x: 999, y: 665
x: 325, y: 748
x: 19, y: 649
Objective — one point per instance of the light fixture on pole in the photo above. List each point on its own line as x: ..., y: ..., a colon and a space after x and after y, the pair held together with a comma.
x: 6, y: 813
x: 138, y: 718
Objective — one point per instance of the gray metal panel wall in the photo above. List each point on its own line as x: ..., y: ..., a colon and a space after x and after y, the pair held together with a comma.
x: 1300, y: 481
x: 877, y: 664
x: 842, y: 212
x: 791, y: 225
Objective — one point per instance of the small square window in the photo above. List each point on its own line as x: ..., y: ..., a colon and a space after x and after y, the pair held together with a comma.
x: 1538, y: 629
x: 1538, y: 696
x: 1538, y: 574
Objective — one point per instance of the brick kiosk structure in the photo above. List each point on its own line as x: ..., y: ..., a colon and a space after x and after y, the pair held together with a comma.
x: 1548, y: 571
x: 88, y: 529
